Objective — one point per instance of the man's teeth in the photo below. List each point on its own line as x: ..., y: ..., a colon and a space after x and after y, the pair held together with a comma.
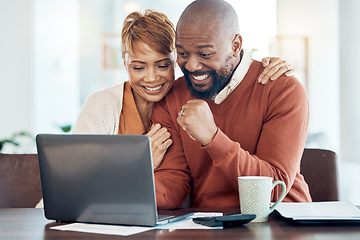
x: 153, y: 88
x: 200, y: 77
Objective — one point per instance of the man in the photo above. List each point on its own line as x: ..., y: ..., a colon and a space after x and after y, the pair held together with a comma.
x: 223, y: 123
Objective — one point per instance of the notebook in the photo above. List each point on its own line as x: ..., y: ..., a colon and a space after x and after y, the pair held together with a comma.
x: 98, y: 179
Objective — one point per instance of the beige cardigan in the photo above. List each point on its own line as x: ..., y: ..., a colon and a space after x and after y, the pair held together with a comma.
x: 101, y: 112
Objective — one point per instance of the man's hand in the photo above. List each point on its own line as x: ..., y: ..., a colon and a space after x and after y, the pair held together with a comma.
x: 160, y: 142
x: 274, y: 68
x: 197, y: 120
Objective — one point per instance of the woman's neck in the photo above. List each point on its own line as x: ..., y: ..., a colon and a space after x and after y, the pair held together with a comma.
x: 145, y: 109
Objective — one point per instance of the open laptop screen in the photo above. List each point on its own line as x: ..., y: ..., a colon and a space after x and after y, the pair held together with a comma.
x: 97, y: 178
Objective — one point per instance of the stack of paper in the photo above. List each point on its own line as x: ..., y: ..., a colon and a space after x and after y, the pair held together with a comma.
x: 319, y: 212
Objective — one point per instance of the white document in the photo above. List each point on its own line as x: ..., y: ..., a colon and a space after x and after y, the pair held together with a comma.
x: 319, y: 211
x: 102, y: 229
x: 186, y: 223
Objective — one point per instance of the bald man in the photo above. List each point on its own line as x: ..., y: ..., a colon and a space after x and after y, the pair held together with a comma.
x: 223, y: 123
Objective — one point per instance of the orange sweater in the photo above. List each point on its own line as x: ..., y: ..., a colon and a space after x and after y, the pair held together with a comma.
x: 262, y: 131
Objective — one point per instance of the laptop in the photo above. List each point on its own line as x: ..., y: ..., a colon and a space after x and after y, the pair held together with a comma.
x: 98, y: 179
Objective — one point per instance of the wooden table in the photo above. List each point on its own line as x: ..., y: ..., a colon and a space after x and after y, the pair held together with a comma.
x: 30, y: 224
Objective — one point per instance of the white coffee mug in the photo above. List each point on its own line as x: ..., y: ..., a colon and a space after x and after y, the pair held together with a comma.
x: 255, y: 196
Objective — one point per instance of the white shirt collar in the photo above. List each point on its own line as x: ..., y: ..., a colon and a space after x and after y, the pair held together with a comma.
x: 236, y: 78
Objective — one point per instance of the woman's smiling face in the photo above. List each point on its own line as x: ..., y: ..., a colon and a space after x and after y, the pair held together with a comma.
x: 151, y: 73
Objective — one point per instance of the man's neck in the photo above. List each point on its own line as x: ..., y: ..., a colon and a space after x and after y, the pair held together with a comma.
x: 240, y: 58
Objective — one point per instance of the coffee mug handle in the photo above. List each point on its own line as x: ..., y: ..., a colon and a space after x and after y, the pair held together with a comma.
x: 282, y: 195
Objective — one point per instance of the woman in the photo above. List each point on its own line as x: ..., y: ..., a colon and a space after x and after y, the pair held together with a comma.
x: 148, y: 52
x: 147, y: 42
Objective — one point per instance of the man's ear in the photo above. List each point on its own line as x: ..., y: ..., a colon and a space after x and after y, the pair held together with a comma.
x: 236, y: 45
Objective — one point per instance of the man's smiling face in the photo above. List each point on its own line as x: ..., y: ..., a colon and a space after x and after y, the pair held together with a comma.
x: 205, y: 56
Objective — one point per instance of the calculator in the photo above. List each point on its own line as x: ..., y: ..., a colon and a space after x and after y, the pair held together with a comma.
x: 227, y: 221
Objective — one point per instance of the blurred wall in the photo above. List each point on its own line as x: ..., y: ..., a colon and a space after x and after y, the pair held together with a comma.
x: 350, y: 79
x: 350, y: 98
x: 318, y: 21
x: 16, y: 82
x: 56, y: 64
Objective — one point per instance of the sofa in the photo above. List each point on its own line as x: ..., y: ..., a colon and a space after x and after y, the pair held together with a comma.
x: 20, y: 185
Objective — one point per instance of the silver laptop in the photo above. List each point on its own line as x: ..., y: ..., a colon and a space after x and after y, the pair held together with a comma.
x: 98, y: 179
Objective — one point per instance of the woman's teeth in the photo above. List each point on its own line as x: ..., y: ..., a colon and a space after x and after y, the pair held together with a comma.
x: 153, y: 88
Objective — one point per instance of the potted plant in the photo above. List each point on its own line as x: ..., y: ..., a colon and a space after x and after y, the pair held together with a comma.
x: 14, y: 139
